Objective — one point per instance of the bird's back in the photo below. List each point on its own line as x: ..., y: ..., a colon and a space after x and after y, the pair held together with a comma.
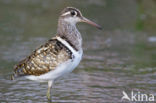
x: 44, y: 59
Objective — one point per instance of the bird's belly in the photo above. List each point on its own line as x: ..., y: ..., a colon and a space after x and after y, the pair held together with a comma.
x: 62, y: 69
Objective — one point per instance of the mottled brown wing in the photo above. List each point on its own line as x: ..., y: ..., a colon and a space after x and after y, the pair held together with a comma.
x: 43, y: 59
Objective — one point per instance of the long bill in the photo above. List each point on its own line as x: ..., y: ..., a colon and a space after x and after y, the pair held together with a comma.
x: 91, y: 22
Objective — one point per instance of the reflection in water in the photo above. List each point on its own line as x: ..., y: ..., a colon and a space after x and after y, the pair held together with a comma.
x: 114, y: 60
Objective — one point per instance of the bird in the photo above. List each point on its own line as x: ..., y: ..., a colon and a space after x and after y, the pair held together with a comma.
x: 60, y: 55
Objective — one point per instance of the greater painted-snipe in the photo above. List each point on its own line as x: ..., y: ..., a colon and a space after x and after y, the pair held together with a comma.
x: 60, y: 55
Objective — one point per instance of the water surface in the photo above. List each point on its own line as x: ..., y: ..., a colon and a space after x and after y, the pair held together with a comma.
x: 119, y: 58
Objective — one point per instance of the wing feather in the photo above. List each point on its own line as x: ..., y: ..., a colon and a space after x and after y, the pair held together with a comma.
x: 44, y: 59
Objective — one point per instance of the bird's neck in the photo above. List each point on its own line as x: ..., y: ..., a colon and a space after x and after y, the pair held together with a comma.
x: 69, y: 32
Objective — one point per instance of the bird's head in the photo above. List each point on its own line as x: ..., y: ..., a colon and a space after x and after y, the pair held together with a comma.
x: 73, y: 16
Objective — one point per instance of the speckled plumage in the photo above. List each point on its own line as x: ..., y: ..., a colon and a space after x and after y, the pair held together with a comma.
x: 44, y: 59
x: 60, y: 55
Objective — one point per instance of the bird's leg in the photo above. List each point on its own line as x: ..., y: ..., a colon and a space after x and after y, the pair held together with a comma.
x: 49, y: 90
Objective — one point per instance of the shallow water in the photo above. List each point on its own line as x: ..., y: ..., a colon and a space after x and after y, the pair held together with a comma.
x: 118, y: 58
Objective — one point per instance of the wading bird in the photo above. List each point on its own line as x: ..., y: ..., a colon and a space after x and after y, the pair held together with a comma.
x: 58, y: 56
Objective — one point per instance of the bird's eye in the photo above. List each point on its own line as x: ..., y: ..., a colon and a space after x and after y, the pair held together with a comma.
x: 73, y: 13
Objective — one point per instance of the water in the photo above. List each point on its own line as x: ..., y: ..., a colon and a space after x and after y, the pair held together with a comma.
x: 119, y: 58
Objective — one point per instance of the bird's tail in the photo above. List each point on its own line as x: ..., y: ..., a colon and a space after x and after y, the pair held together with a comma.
x: 12, y: 77
x: 16, y: 75
x: 18, y: 72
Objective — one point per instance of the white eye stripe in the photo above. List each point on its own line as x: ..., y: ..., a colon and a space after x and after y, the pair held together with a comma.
x: 66, y: 13
x: 75, y: 13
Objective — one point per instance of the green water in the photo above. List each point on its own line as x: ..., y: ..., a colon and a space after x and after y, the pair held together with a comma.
x: 121, y: 57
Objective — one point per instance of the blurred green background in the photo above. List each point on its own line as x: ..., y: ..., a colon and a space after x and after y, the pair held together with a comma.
x: 120, y: 57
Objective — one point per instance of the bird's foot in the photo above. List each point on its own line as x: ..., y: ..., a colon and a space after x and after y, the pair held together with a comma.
x: 49, y: 97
